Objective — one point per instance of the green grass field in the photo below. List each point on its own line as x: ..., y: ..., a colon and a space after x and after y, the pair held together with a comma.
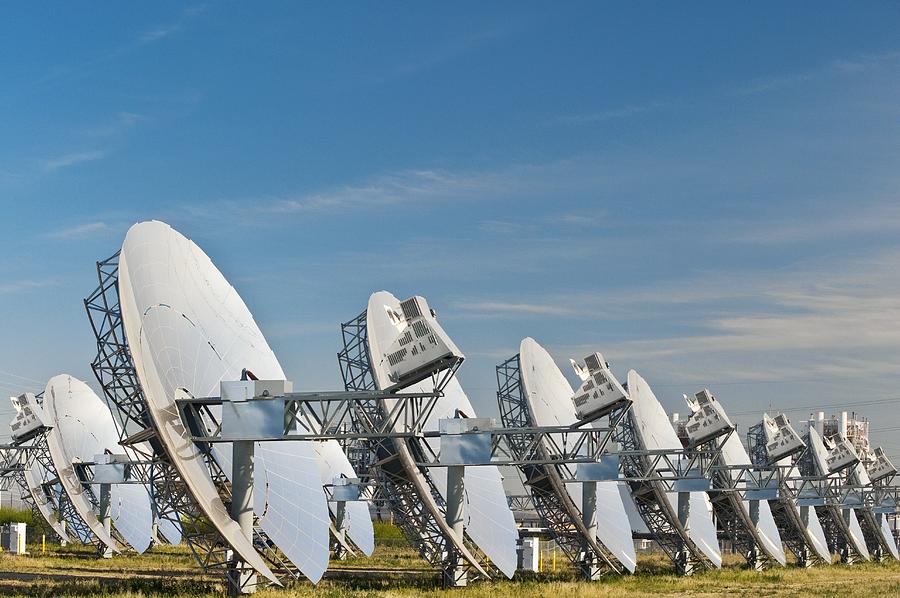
x: 170, y: 572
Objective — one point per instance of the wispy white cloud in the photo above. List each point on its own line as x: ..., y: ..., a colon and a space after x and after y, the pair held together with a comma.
x: 854, y: 64
x: 79, y: 231
x: 415, y: 186
x: 602, y: 116
x: 73, y: 158
x: 579, y: 220
x: 827, y: 319
x: 163, y: 31
x: 823, y: 220
x: 452, y: 49
x: 499, y: 308
x: 17, y: 286
x: 547, y: 223
x: 117, y: 124
x: 503, y: 227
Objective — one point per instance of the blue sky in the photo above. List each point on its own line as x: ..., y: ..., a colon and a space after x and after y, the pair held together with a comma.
x: 705, y: 193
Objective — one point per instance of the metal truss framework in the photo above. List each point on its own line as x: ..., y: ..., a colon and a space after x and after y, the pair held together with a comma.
x: 651, y: 474
x: 410, y: 513
x: 54, y: 491
x: 325, y: 416
x: 12, y: 460
x: 114, y: 370
x: 653, y: 505
x: 788, y: 516
x: 546, y: 482
x: 521, y: 502
x: 834, y: 524
x: 733, y: 517
x: 734, y: 520
x: 547, y: 454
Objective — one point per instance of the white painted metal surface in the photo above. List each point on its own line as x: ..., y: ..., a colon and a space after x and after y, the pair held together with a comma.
x: 549, y: 398
x: 655, y: 432
x: 48, y: 509
x: 68, y: 405
x: 780, y: 443
x: 333, y: 463
x: 29, y: 415
x: 87, y: 429
x: 188, y: 328
x: 735, y: 455
x: 821, y: 460
x: 385, y: 324
x: 888, y: 536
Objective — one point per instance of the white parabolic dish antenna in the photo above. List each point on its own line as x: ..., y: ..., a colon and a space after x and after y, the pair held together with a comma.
x: 814, y: 534
x: 35, y: 473
x: 549, y: 398
x: 735, y: 455
x: 83, y: 428
x: 854, y: 530
x: 47, y: 508
x: 489, y: 522
x: 187, y: 328
x: 883, y: 529
x: 656, y: 433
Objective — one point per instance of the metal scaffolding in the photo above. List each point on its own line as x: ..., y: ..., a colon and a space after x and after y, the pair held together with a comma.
x: 420, y: 521
x: 114, y: 370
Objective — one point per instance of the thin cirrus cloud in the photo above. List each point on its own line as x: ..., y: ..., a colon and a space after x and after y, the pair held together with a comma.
x: 839, y: 221
x: 839, y: 66
x: 516, y: 181
x: 499, y: 308
x: 17, y: 286
x: 163, y: 31
x: 73, y: 158
x: 603, y: 116
x: 833, y: 319
x: 78, y: 231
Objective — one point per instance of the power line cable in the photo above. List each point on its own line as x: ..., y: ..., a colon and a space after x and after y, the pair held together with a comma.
x: 820, y: 406
x: 26, y: 378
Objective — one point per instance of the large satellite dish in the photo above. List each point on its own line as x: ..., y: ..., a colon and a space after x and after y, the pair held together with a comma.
x: 847, y: 527
x: 549, y: 399
x: 649, y: 429
x: 878, y: 535
x: 187, y: 330
x: 800, y: 526
x: 734, y: 510
x: 83, y: 428
x: 69, y: 441
x: 490, y: 523
x: 39, y: 480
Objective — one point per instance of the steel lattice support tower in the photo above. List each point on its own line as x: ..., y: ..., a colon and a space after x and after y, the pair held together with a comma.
x: 551, y: 500
x: 114, y: 370
x: 410, y: 514
x: 652, y: 504
x: 788, y: 518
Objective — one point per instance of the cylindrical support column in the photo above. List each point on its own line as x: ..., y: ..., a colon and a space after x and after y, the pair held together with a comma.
x: 755, y: 560
x: 242, y: 578
x: 62, y: 522
x: 878, y: 553
x: 456, y: 490
x: 847, y: 550
x: 684, y: 564
x: 340, y: 525
x: 105, y: 518
x: 590, y: 566
x: 804, y: 559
